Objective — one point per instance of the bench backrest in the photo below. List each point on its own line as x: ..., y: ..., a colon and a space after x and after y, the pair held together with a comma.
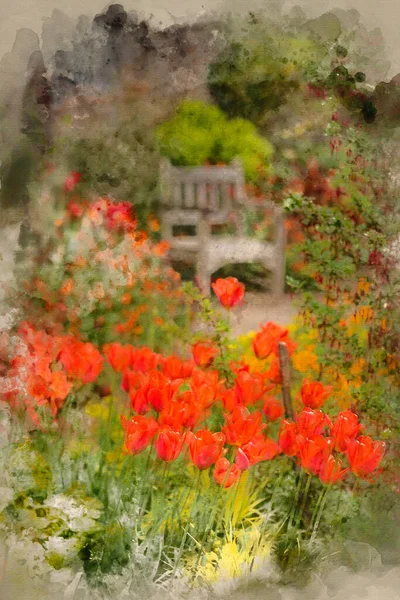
x: 211, y: 189
x: 206, y: 196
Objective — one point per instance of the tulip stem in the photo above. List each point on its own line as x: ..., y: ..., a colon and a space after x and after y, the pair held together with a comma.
x: 141, y: 498
x: 318, y: 510
x: 284, y: 367
x: 207, y: 531
x: 186, y: 529
x: 305, y: 496
x: 296, y: 499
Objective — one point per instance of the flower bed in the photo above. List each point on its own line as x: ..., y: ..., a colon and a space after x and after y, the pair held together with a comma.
x: 125, y: 447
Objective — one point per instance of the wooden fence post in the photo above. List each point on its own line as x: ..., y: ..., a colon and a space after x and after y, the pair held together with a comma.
x: 284, y: 367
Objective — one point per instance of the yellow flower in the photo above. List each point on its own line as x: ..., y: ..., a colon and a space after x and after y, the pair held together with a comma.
x: 236, y: 558
x: 305, y: 361
x: 114, y: 456
x: 98, y: 410
x: 357, y: 367
x: 363, y: 315
x: 363, y: 285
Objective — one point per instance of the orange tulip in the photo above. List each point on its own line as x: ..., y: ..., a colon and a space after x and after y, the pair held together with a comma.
x: 175, y: 368
x: 169, y: 444
x: 204, y: 353
x: 249, y: 388
x: 118, y: 356
x: 59, y: 385
x: 81, y: 360
x: 311, y: 422
x: 257, y: 450
x: 205, y: 447
x: 225, y: 473
x: 364, y: 455
x: 314, y: 452
x: 274, y: 372
x: 266, y: 341
x: 67, y: 287
x: 331, y: 471
x: 313, y: 393
x: 229, y: 291
x: 273, y: 409
x: 346, y: 427
x: 139, y: 431
x: 143, y: 359
x: 241, y: 426
x: 288, y: 438
x: 180, y: 412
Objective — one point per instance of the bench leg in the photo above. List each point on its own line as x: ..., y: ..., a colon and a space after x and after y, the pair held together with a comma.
x: 204, y: 280
x: 203, y: 275
x: 278, y: 282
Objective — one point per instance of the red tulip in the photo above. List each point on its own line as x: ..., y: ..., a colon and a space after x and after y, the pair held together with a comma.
x: 205, y: 447
x: 225, y: 473
x: 288, y: 438
x: 81, y: 360
x: 204, y: 395
x: 364, y: 455
x: 229, y: 291
x: 169, y: 444
x: 149, y: 390
x: 311, y: 422
x: 314, y: 452
x: 273, y: 409
x: 242, y: 460
x: 139, y: 431
x: 204, y: 353
x: 249, y: 388
x: 241, y: 426
x: 346, y: 426
x: 331, y: 471
x: 313, y: 393
x: 118, y: 356
x: 181, y: 411
x: 175, y: 368
x: 266, y: 341
x: 210, y: 377
x: 228, y: 399
x: 257, y: 450
x: 274, y: 372
x: 143, y: 359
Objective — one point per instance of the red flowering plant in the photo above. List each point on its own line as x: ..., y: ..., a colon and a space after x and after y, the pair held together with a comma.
x: 352, y: 312
x: 196, y: 430
x: 221, y: 418
x: 43, y: 370
x: 99, y: 277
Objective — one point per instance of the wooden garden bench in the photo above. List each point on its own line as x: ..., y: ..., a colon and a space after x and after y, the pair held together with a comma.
x: 209, y: 196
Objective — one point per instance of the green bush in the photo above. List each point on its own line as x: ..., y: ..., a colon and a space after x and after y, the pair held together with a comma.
x: 200, y: 133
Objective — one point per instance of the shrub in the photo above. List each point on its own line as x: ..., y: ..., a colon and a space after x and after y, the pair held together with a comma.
x: 200, y: 133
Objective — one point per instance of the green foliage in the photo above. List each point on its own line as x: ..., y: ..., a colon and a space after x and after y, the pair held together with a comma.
x: 200, y: 132
x: 108, y: 549
x: 376, y: 523
x: 255, y: 75
x: 120, y: 161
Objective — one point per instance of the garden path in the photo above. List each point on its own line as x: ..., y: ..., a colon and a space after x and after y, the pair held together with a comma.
x: 259, y: 308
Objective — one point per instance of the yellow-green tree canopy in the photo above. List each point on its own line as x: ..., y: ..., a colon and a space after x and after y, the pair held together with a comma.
x: 199, y: 132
